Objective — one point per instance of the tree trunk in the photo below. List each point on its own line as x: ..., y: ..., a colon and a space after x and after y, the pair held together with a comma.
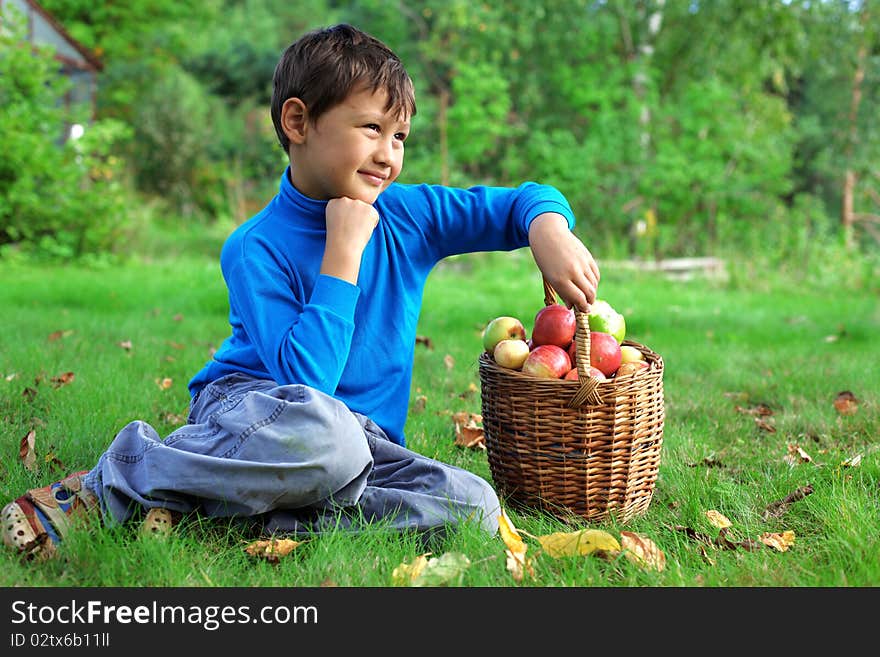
x: 847, y: 217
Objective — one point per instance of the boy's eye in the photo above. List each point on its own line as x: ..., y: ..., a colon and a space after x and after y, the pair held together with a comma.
x: 372, y: 126
x: 401, y: 136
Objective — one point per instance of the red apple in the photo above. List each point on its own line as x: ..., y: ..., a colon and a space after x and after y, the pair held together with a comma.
x: 604, y: 352
x: 547, y: 361
x: 511, y: 353
x: 554, y: 324
x: 594, y: 373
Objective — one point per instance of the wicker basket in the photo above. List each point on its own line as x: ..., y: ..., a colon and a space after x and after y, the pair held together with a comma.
x: 586, y: 448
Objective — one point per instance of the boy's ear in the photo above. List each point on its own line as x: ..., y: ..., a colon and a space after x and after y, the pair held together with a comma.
x: 294, y: 120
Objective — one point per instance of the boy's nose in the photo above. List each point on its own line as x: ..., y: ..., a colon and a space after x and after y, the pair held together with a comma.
x: 384, y: 153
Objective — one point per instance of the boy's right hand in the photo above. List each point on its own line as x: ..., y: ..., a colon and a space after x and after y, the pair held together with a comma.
x: 350, y: 225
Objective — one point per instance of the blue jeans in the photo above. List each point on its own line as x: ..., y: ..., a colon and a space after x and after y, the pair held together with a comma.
x: 289, y: 459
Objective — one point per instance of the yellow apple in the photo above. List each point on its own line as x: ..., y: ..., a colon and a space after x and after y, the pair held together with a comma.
x: 629, y: 354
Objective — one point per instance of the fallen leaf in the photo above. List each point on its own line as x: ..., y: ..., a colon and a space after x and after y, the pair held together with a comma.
x: 272, y: 549
x: 165, y: 383
x: 642, y: 551
x: 852, y: 462
x: 717, y: 519
x: 796, y: 455
x: 766, y: 426
x: 57, y: 335
x: 62, y: 379
x: 10, y: 377
x: 582, y: 542
x: 780, y: 507
x: 468, y: 432
x: 517, y: 563
x: 419, y: 403
x: 29, y: 393
x: 406, y: 573
x: 426, y: 341
x: 27, y: 452
x: 449, y: 361
x: 846, y: 403
x: 126, y: 344
x: 778, y: 541
x: 444, y: 570
x: 760, y: 410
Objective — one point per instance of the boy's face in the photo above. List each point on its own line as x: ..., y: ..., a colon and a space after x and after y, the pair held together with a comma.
x: 354, y: 149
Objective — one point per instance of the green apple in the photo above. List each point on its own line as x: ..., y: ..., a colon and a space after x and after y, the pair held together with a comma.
x: 605, y: 319
x: 502, y: 328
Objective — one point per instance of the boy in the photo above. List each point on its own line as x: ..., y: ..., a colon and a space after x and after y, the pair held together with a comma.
x: 296, y: 424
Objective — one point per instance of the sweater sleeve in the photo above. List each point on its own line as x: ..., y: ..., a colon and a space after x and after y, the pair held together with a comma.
x: 486, y: 218
x: 300, y: 336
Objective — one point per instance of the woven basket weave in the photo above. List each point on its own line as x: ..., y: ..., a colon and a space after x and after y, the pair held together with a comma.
x: 586, y: 448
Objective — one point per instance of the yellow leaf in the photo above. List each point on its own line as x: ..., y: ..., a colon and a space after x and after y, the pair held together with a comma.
x: 517, y: 563
x: 272, y: 549
x: 642, y: 551
x: 717, y: 519
x: 585, y: 541
x: 405, y: 574
x: 27, y: 451
x: 778, y: 541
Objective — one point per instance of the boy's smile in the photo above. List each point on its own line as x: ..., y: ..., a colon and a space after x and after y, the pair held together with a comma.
x: 354, y: 149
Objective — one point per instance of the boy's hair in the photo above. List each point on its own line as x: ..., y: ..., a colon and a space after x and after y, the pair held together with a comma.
x: 323, y: 66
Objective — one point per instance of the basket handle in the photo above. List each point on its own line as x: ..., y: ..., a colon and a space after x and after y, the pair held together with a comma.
x: 588, y: 392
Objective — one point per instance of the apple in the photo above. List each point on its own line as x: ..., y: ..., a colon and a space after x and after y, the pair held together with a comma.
x: 594, y: 373
x: 547, y: 361
x: 605, y: 319
x: 631, y: 367
x: 511, y: 353
x: 629, y: 354
x: 604, y: 352
x: 554, y: 324
x: 502, y: 328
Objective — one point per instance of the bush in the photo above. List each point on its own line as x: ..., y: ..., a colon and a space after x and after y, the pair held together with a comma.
x: 59, y: 197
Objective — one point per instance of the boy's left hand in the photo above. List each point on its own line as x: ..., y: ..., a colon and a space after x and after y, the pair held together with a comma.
x: 563, y: 260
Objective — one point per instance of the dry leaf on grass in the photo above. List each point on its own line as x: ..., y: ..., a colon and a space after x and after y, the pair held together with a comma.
x: 852, y: 461
x: 796, y: 454
x: 779, y: 541
x: 846, y: 403
x: 642, y: 551
x: 718, y: 519
x: 272, y: 549
x: 468, y: 432
x: 62, y: 379
x: 165, y: 383
x: 449, y: 361
x: 780, y: 507
x: 582, y: 542
x: 27, y: 451
x: 444, y: 570
x: 517, y: 563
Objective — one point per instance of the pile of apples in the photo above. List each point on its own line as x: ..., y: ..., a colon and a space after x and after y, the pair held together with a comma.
x: 551, y: 350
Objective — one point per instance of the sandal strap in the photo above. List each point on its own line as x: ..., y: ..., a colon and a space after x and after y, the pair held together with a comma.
x: 63, y: 501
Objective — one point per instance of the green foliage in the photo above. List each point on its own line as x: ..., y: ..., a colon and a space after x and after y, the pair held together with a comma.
x: 62, y: 198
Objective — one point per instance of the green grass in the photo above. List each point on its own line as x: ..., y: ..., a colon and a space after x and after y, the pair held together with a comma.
x: 726, y: 347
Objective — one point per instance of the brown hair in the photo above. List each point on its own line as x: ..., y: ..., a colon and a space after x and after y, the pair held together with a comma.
x: 323, y: 66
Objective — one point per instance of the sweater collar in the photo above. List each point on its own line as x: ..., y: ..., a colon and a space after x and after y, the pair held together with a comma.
x: 304, y: 205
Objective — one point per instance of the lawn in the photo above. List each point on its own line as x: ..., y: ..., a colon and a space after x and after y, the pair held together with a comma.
x: 753, y: 366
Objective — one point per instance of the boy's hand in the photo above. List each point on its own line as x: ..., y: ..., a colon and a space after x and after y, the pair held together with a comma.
x: 350, y: 225
x: 564, y: 260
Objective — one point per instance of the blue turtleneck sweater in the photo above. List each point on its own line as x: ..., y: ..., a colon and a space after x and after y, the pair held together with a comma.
x: 355, y: 342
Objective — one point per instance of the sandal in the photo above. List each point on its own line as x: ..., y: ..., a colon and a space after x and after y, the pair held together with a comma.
x: 37, y: 521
